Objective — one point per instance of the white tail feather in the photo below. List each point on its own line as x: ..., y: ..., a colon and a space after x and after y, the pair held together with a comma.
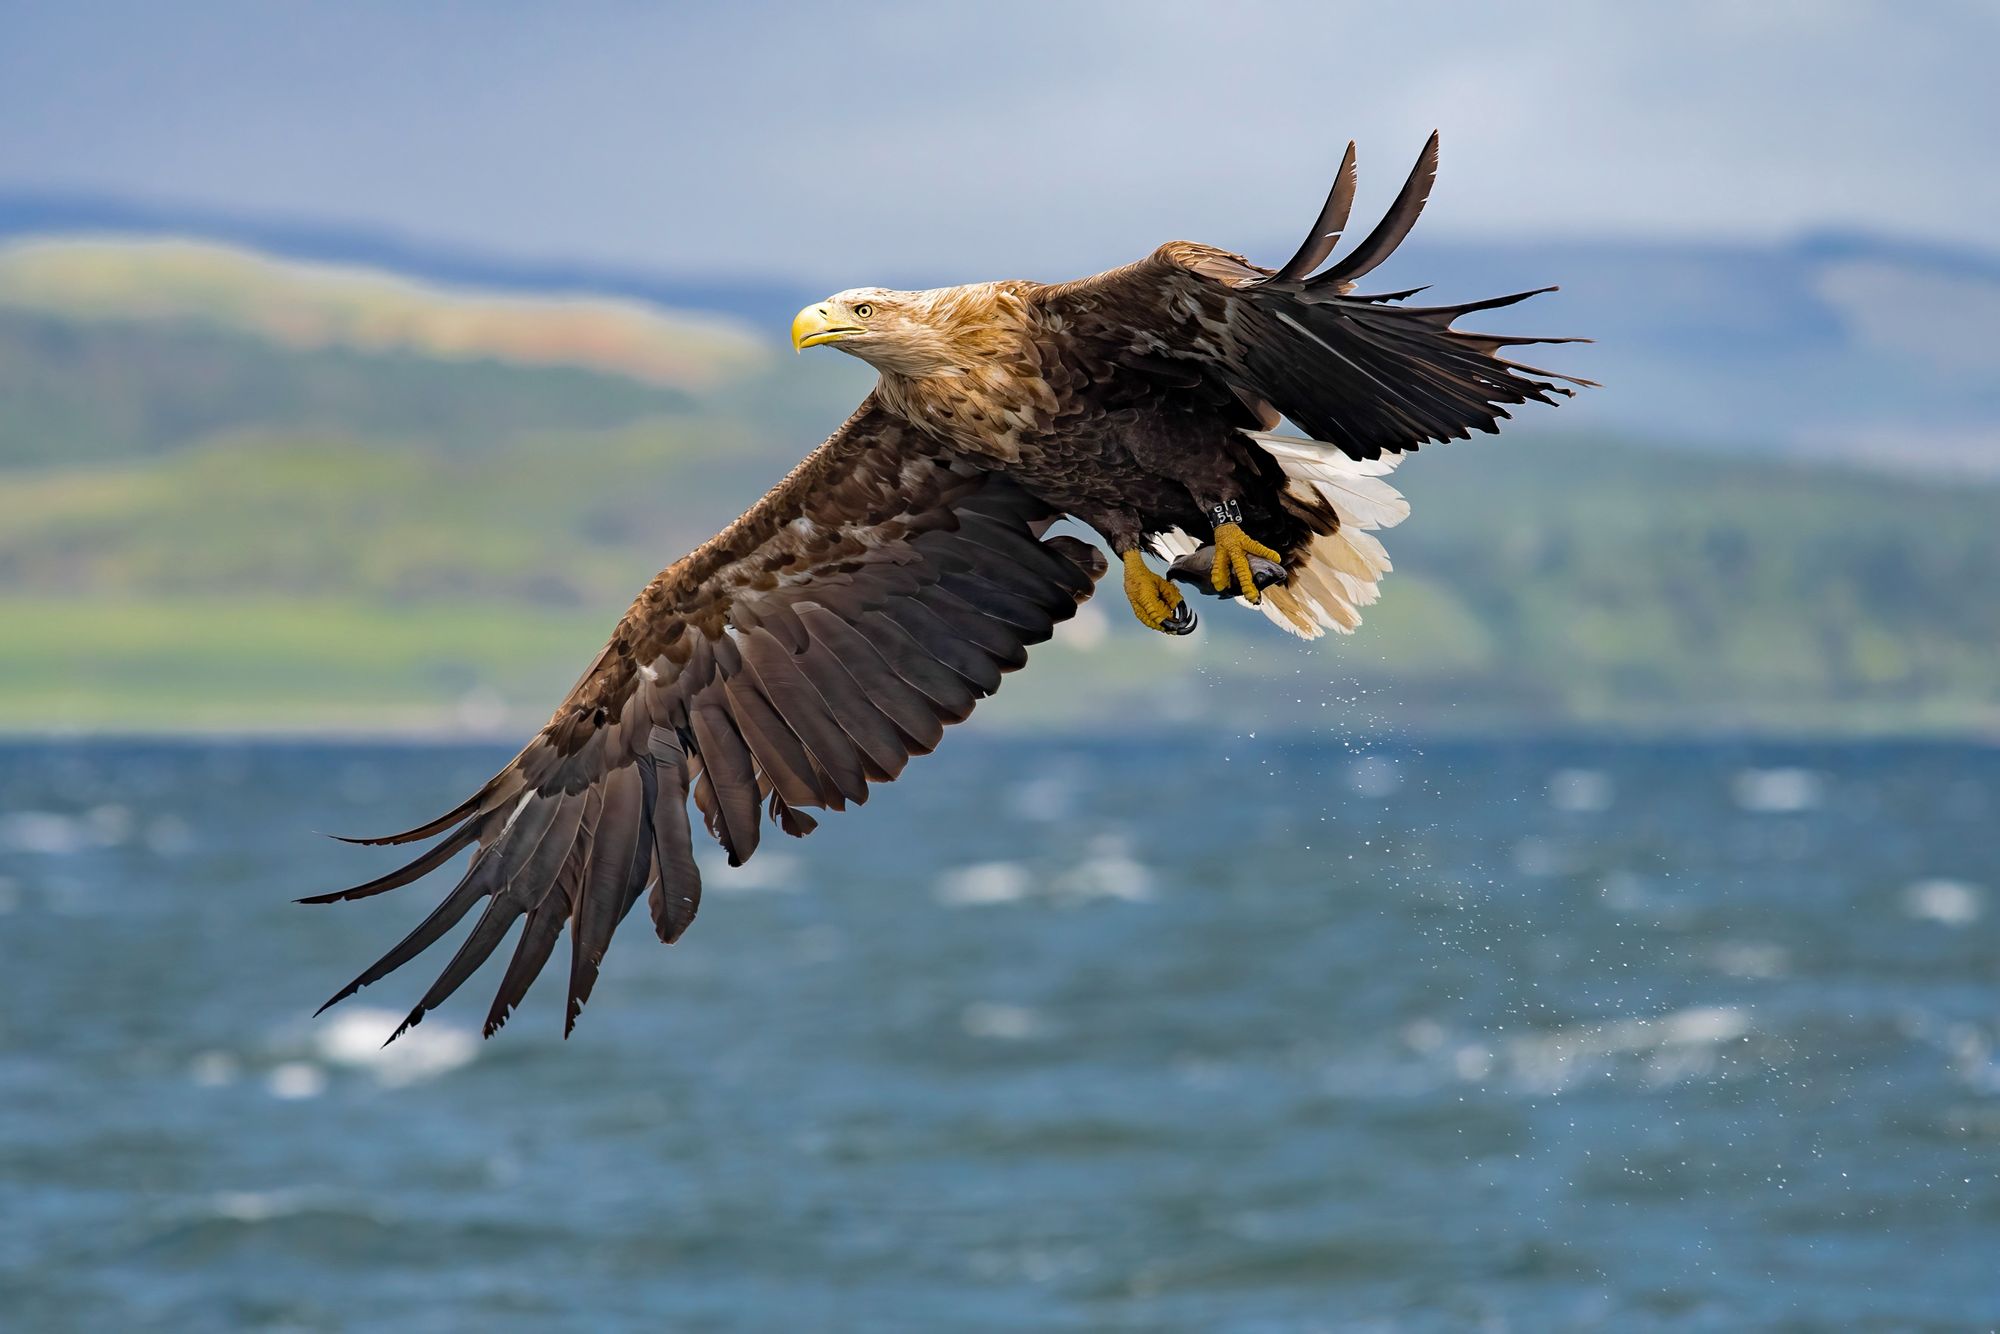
x: 1352, y: 486
x: 1369, y: 548
x: 1341, y: 571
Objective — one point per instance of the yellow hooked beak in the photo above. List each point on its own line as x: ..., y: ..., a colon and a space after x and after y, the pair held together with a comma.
x: 819, y: 324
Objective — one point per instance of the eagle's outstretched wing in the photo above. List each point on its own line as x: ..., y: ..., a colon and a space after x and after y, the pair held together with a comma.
x: 807, y: 650
x: 1362, y: 373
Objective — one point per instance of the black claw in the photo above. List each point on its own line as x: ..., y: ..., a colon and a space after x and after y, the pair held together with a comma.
x: 1182, y: 622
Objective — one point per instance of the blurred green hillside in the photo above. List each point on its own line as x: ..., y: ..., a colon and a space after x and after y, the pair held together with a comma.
x: 211, y: 517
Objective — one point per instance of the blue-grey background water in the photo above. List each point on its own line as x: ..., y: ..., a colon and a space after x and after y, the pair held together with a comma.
x: 1217, y: 1034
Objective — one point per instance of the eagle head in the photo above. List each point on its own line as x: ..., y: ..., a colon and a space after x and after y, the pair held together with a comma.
x: 904, y: 333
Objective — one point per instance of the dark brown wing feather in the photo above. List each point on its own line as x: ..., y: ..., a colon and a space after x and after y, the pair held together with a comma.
x: 1379, y: 244
x: 1364, y: 373
x: 1332, y: 221
x: 809, y: 649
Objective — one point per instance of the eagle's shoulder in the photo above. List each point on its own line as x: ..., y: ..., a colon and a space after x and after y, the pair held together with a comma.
x: 1207, y: 261
x: 1146, y: 291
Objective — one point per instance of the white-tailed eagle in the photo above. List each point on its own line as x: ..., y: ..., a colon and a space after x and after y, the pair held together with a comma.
x: 891, y: 579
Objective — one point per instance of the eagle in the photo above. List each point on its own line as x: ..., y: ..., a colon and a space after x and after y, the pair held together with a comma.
x: 891, y: 579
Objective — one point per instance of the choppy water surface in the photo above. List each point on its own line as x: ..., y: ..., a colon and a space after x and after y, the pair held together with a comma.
x: 1214, y: 1036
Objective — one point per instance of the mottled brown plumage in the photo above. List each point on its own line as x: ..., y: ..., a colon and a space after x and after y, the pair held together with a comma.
x: 882, y: 588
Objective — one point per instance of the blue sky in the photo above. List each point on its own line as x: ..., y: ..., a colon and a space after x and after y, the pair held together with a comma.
x: 1029, y: 139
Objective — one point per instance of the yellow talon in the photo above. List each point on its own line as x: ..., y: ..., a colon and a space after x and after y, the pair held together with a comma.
x: 1155, y: 601
x: 1233, y: 550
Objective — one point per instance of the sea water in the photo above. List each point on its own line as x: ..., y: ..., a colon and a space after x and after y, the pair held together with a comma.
x: 1216, y: 1034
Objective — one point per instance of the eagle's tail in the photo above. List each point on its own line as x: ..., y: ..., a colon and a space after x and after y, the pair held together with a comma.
x: 1336, y: 570
x: 1332, y: 575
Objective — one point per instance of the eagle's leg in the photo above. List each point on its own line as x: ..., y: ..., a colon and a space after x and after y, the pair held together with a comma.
x: 1234, y: 553
x: 1155, y: 601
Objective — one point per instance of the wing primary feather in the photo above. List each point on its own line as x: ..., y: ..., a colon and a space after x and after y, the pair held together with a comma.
x: 798, y: 702
x: 1425, y: 390
x: 1395, y: 224
x: 522, y: 891
x: 974, y: 626
x: 1332, y: 221
x: 794, y: 822
x: 414, y: 870
x: 1383, y: 298
x: 1004, y: 567
x: 1013, y: 545
x: 606, y: 894
x: 1087, y: 560
x: 677, y: 886
x: 847, y: 704
x: 468, y: 891
x: 545, y: 921
x: 1034, y: 623
x: 428, y: 827
x: 531, y: 953
x: 493, y: 867
x: 902, y: 704
x: 642, y: 849
x: 1444, y: 315
x: 1430, y: 349
x: 947, y: 691
x: 942, y: 640
x: 777, y: 750
x: 726, y: 761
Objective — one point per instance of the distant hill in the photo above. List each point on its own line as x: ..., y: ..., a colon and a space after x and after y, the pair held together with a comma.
x: 1868, y: 348
x: 78, y: 391
x: 318, y: 305
x: 110, y: 348
x: 207, y: 521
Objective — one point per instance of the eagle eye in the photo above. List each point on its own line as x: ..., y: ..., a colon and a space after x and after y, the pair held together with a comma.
x: 864, y: 310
